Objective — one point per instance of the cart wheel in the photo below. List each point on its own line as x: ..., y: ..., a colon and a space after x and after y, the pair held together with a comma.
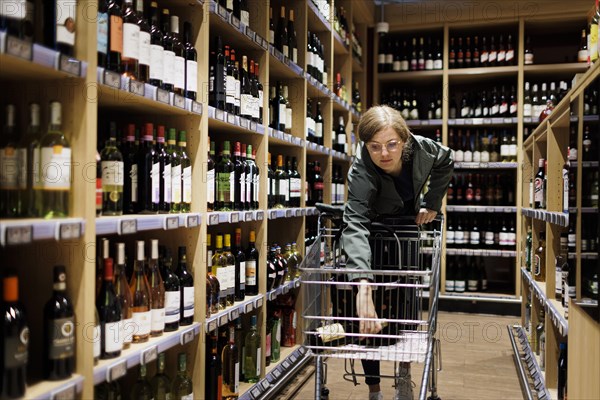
x: 324, y: 393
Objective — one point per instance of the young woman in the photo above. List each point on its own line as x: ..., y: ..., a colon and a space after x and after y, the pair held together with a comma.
x: 387, y: 178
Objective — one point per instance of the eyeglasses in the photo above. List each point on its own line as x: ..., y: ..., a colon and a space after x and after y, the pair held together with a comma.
x: 391, y: 146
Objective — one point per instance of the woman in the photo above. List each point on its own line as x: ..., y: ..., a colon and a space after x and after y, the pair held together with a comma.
x: 387, y: 178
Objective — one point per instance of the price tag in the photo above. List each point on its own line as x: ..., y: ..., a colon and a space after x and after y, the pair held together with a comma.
x: 250, y: 33
x: 260, y: 215
x: 276, y: 373
x: 213, y: 219
x: 163, y: 96
x: 187, y: 336
x: 211, y: 326
x: 222, y: 11
x: 298, y: 212
x: 149, y: 355
x: 196, y: 108
x: 271, y: 378
x: 223, y: 319
x: 234, y: 314
x: 289, y: 213
x: 220, y: 115
x: 19, y: 48
x: 192, y: 221
x: 116, y: 371
x: 112, y: 79
x: 248, y: 216
x: 136, y: 87
x: 128, y: 226
x: 171, y: 223
x: 179, y: 101
x: 285, y: 289
x: 508, y: 120
x: 233, y: 20
x: 297, y: 283
x: 272, y: 214
x: 249, y: 307
x: 244, y: 123
x: 19, y: 234
x: 527, y: 120
x: 265, y: 384
x: 69, y: 230
x: 69, y: 65
x: 253, y: 126
x: 65, y: 393
x: 256, y: 392
x: 285, y: 364
x: 231, y: 119
x: 302, y: 350
x: 234, y: 217
x: 259, y: 302
x: 293, y: 358
x: 497, y: 120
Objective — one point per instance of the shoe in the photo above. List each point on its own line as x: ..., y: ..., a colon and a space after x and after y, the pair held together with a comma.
x: 404, y: 385
x: 375, y: 396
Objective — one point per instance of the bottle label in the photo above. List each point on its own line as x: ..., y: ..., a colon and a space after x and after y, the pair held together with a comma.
x: 62, y: 339
x: 474, y: 237
x: 191, y: 76
x: 145, y: 57
x: 504, y: 150
x: 242, y: 279
x: 16, y: 349
x: 155, y: 182
x: 537, y: 270
x: 459, y: 285
x: 493, y: 56
x: 167, y: 187
x: 102, y: 33
x: 23, y: 169
x: 232, y: 187
x: 156, y: 62
x: 116, y: 34
x: 503, y: 108
x: 169, y: 67
x: 484, y: 57
x: 113, y: 341
x: 56, y: 168
x: 188, y: 396
x: 134, y: 181
x: 282, y: 115
x: 176, y: 184
x: 449, y: 237
x: 473, y: 285
x: 66, y: 12
x: 230, y: 89
x: 142, y: 322
x: 188, y: 301
x: 582, y: 55
x: 247, y: 187
x: 288, y: 118
x: 179, y: 72
x: 251, y: 273
x: 449, y: 285
x: 131, y: 41
x: 95, y: 340
x: 9, y: 168
x: 538, y: 190
x: 396, y: 66
x: 458, y: 155
x: 158, y: 320
x: 319, y: 129
x: 501, y: 56
x: 172, y: 304
x: 210, y: 186
x: 231, y: 279
x: 187, y: 185
x: 494, y: 109
x: 112, y: 173
x: 295, y: 187
x: 512, y: 150
x: 246, y: 106
x: 128, y: 328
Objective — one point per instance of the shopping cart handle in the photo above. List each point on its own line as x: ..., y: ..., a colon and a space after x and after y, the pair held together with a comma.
x: 336, y: 211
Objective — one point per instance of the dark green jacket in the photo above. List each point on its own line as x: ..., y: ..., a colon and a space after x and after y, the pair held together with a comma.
x: 372, y: 194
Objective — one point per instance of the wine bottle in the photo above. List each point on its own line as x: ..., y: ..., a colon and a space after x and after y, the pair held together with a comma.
x: 288, y: 110
x: 260, y: 91
x: 231, y: 367
x: 191, y: 63
x: 142, y: 390
x: 240, y: 267
x: 186, y: 174
x: 169, y: 52
x: 9, y: 164
x: 157, y: 49
x: 230, y: 82
x: 112, y: 175
x: 140, y: 292
x: 130, y: 171
x: 252, y: 178
x: 213, y: 288
x: 319, y: 125
x: 96, y: 340
x: 148, y: 173
x: 252, y: 353
x: 225, y: 188
x: 232, y: 285
x: 239, y: 179
x: 131, y: 41
x: 539, y: 195
x: 281, y: 36
x: 175, y: 152
x: 251, y: 273
x: 157, y: 292
x: 29, y: 158
x: 124, y: 295
x: 60, y: 26
x: 292, y: 40
x: 55, y: 167
x: 186, y: 282
x: 210, y: 177
x: 220, y: 74
x: 213, y: 375
x: 179, y: 61
x: 145, y: 40
x: 15, y: 341
x: 164, y: 173
x: 220, y: 271
x: 172, y: 292
x: 109, y: 311
x: 182, y: 388
x: 281, y: 185
x: 161, y: 384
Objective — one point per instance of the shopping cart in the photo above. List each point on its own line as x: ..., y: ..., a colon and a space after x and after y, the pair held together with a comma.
x: 405, y: 291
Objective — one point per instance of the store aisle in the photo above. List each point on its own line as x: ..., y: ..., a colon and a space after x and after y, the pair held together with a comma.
x: 477, y: 362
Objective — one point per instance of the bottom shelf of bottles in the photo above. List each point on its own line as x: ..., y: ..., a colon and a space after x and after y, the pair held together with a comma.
x: 64, y: 389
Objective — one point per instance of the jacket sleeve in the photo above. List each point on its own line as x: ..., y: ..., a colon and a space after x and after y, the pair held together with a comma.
x: 362, y: 190
x: 441, y: 173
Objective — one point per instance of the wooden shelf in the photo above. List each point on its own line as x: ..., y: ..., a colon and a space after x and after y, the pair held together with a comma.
x: 134, y: 223
x: 339, y: 105
x: 24, y: 231
x: 316, y: 20
x: 486, y: 165
x: 50, y: 390
x: 231, y: 123
x: 339, y: 47
x: 482, y: 209
x: 286, y: 213
x: 315, y: 89
x: 230, y: 314
x: 317, y: 150
x: 553, y: 308
x: 281, y: 67
x: 356, y: 65
x: 233, y: 32
x: 413, y: 76
x: 285, y: 353
x: 234, y: 217
x: 470, y: 75
x: 556, y: 218
x: 542, y: 70
x: 285, y: 139
x: 434, y: 123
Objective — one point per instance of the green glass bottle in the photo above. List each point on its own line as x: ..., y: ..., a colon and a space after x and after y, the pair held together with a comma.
x: 252, y: 353
x: 231, y: 288
x: 29, y: 159
x: 112, y: 175
x: 186, y: 174
x: 175, y: 154
x: 221, y: 272
x: 224, y: 180
x: 276, y: 337
x: 161, y: 384
x: 9, y: 166
x: 142, y: 389
x: 182, y: 388
x: 107, y: 391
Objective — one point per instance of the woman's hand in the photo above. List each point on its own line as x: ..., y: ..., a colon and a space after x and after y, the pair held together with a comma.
x: 366, y: 309
x: 425, y: 216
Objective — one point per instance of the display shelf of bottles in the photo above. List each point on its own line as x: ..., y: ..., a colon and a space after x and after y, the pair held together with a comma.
x: 586, y: 118
x: 424, y: 122
x: 317, y: 149
x: 552, y: 307
x: 482, y: 209
x: 128, y: 224
x: 24, y: 231
x: 482, y: 296
x: 339, y: 104
x: 340, y: 156
x: 234, y: 217
x: 230, y: 314
x: 282, y: 138
x: 283, y: 289
x: 114, y: 368
x: 486, y: 165
x: 282, y: 67
x: 556, y: 218
x: 476, y: 252
x: 585, y: 164
x: 584, y: 210
x: 233, y: 123
x: 22, y: 60
x: 238, y: 35
x: 464, y: 75
x: 316, y: 89
x: 316, y: 20
x: 518, y: 335
x: 286, y: 213
x: 339, y: 47
x: 287, y: 366
x: 584, y: 256
x: 50, y: 390
x: 119, y: 92
x: 413, y: 76
x: 554, y: 69
x: 497, y: 121
x: 285, y: 354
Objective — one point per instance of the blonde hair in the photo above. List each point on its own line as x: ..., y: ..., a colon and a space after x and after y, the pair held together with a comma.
x: 378, y: 118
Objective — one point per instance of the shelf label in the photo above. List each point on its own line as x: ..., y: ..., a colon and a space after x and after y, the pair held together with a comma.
x: 285, y: 289
x: 233, y: 20
x: 137, y: 87
x: 112, y: 79
x: 256, y: 392
x: 219, y: 114
x: 250, y: 33
x: 196, y: 107
x: 211, y: 326
x: 293, y: 358
x: 192, y: 221
x: 276, y: 373
x: 248, y: 216
x: 213, y: 219
x: 222, y: 12
x: 272, y: 214
x: 259, y: 302
x: 297, y: 283
x: 299, y: 212
x: 265, y: 384
x: 163, y: 96
x: 69, y: 65
x: 19, y: 48
x: 244, y: 123
x: 231, y: 119
x: 260, y: 215
x: 19, y: 234
x: 65, y: 393
x: 187, y: 336
x: 234, y: 217
x: 234, y: 314
x: 149, y: 355
x: 171, y: 223
x: 128, y: 226
x: 289, y: 213
x: 285, y: 364
x: 179, y: 101
x: 223, y: 319
x: 116, y: 370
x: 69, y: 230
x: 249, y: 307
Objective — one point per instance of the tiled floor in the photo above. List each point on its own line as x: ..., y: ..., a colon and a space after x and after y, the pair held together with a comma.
x: 476, y: 356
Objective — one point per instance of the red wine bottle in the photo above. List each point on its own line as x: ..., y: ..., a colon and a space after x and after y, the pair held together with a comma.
x: 109, y: 312
x: 59, y: 324
x: 186, y: 282
x: 14, y: 342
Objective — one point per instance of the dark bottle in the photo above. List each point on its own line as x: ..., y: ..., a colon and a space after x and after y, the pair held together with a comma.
x: 460, y: 55
x: 220, y: 74
x: 109, y: 313
x: 562, y: 371
x: 145, y: 57
x: 452, y: 55
x: 501, y: 58
x: 157, y: 49
x: 114, y: 37
x: 213, y: 377
x: 102, y: 33
x: 272, y: 268
x: 292, y: 40
x: 15, y: 341
x: 240, y: 267
x: 169, y: 52
x: 271, y: 185
x: 239, y: 179
x: 190, y: 56
x: 186, y: 282
x: 210, y: 177
x: 319, y: 125
x: 468, y: 53
x: 148, y: 173
x: 230, y: 82
x: 224, y: 175
x: 260, y: 91
x: 164, y: 162
x: 295, y: 184
x: 281, y: 36
x: 246, y: 97
x: 475, y: 55
x: 131, y: 41
x: 317, y: 185
x: 179, y: 60
x: 130, y: 167
x: 172, y: 292
x: 252, y: 271
x: 59, y: 324
x: 59, y: 25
